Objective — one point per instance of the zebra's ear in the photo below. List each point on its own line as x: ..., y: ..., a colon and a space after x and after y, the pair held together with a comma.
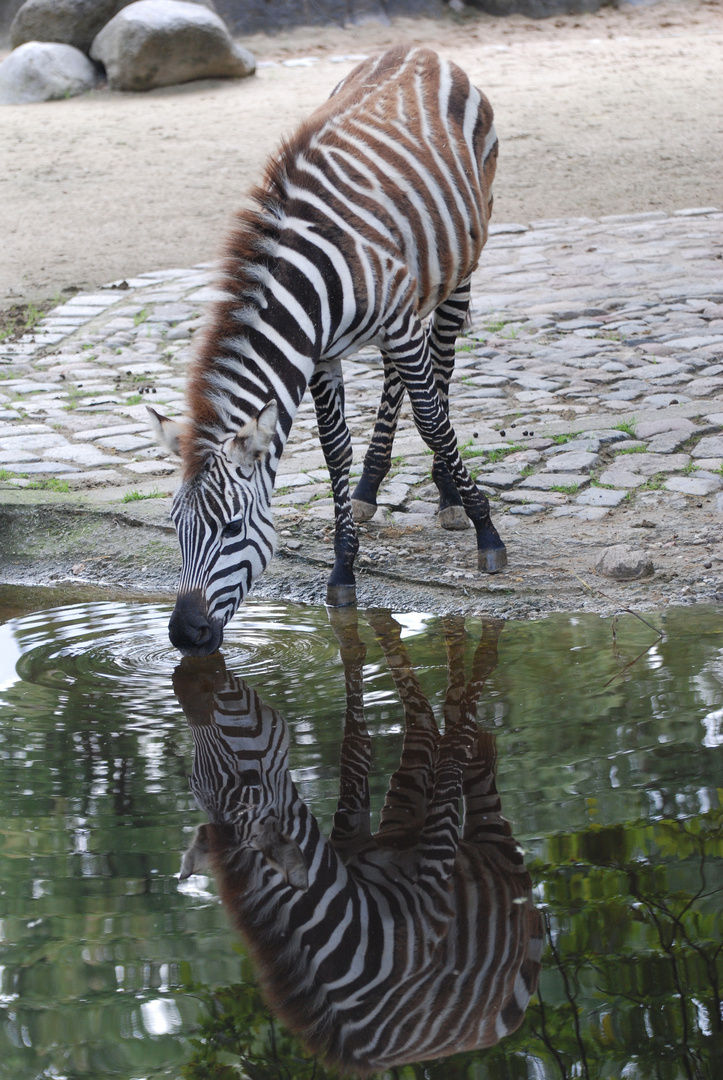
x: 253, y: 440
x: 283, y: 853
x: 197, y: 857
x: 166, y: 431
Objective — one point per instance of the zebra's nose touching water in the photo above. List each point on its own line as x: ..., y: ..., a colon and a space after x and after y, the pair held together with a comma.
x: 416, y: 942
x: 370, y: 220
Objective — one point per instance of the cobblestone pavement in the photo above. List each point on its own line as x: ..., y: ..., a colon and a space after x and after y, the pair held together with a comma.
x: 591, y: 379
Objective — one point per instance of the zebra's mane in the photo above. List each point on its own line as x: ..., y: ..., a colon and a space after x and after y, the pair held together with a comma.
x: 248, y: 258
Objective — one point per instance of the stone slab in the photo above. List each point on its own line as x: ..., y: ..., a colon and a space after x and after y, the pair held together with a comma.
x: 601, y: 497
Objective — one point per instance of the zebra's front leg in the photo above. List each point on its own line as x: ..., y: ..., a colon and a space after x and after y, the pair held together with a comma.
x: 378, y: 458
x: 327, y: 390
x: 409, y: 349
x: 445, y: 325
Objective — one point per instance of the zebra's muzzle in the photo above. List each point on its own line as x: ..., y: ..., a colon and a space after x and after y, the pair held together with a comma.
x: 191, y: 630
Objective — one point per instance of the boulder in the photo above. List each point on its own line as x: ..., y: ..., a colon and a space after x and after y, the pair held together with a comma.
x: 160, y: 42
x: 74, y: 22
x: 623, y: 563
x: 44, y: 71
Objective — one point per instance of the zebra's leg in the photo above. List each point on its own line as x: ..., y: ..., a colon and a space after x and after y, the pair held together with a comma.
x: 327, y: 389
x: 412, y: 784
x: 483, y: 821
x: 445, y: 325
x: 407, y: 345
x: 378, y: 458
x: 351, y: 830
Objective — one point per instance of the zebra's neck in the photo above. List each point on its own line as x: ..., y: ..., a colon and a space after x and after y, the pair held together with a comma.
x: 263, y: 341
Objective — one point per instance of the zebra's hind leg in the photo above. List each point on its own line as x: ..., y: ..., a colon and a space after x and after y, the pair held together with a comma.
x: 446, y: 323
x: 327, y: 390
x: 378, y: 458
x: 412, y: 785
x: 407, y: 346
x: 351, y: 831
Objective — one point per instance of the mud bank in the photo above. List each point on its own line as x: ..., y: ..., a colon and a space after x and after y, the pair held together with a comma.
x: 52, y: 543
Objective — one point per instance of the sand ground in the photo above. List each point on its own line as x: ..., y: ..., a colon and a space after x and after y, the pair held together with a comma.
x: 618, y: 111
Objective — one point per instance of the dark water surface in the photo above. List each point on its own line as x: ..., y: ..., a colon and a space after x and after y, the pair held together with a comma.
x: 610, y: 771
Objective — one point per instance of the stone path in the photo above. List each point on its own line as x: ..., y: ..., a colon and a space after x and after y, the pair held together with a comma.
x: 592, y: 375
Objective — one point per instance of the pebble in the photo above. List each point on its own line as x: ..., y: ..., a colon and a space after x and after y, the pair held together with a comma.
x: 557, y: 346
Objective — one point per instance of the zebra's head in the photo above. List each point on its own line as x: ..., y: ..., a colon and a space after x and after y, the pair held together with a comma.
x: 225, y: 529
x: 240, y: 774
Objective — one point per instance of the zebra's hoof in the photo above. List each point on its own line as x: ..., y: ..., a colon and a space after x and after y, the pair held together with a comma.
x: 454, y: 518
x: 362, y: 511
x: 340, y: 595
x: 492, y: 560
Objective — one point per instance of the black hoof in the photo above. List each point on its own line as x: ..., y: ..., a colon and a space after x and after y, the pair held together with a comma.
x: 362, y: 511
x: 340, y: 595
x: 492, y: 561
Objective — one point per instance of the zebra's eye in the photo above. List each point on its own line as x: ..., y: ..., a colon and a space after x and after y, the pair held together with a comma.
x: 233, y: 528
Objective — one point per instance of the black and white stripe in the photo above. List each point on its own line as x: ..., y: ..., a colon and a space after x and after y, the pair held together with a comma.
x: 413, y: 943
x: 372, y: 217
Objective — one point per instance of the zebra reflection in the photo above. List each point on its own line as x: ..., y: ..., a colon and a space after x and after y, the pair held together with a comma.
x: 378, y: 949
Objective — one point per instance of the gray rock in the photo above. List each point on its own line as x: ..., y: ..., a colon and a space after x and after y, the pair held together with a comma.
x: 527, y: 509
x: 572, y: 462
x: 621, y: 478
x: 547, y: 481
x: 72, y: 22
x: 693, y: 485
x: 575, y: 446
x: 601, y: 497
x: 160, y: 42
x: 710, y: 446
x: 502, y: 480
x: 623, y: 563
x: 44, y: 71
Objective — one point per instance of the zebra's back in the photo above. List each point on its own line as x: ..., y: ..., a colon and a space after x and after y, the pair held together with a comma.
x: 400, y: 160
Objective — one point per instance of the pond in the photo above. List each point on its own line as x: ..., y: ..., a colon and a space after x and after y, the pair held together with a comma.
x: 607, y: 741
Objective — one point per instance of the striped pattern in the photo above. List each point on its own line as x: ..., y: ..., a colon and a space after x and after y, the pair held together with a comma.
x: 379, y: 950
x: 370, y: 218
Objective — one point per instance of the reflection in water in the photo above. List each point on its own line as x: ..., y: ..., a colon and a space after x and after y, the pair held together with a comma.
x: 412, y: 943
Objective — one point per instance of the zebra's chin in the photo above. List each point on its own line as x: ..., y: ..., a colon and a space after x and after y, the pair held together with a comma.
x: 191, y: 630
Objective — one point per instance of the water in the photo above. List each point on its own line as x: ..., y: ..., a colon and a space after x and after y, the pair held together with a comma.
x: 610, y: 770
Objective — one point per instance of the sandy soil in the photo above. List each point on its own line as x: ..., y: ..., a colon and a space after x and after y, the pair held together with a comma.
x: 613, y: 112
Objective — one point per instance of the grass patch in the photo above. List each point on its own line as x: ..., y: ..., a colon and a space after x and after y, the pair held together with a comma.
x: 633, y: 450
x: 655, y: 483
x: 527, y: 471
x: 496, y: 325
x: 45, y: 483
x: 50, y: 483
x: 560, y: 440
x: 627, y: 426
x: 565, y: 489
x: 137, y: 496
x: 140, y: 317
x: 501, y: 453
x: 134, y: 399
x: 20, y: 319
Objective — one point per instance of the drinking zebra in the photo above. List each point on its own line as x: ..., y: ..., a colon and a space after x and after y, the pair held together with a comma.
x: 384, y: 949
x: 370, y: 218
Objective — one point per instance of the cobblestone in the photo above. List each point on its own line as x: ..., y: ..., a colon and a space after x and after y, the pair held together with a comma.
x: 594, y: 361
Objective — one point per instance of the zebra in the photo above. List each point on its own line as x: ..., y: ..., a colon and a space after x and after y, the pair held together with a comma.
x: 378, y: 950
x: 370, y: 218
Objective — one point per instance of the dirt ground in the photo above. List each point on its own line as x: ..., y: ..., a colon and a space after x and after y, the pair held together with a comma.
x: 617, y: 111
